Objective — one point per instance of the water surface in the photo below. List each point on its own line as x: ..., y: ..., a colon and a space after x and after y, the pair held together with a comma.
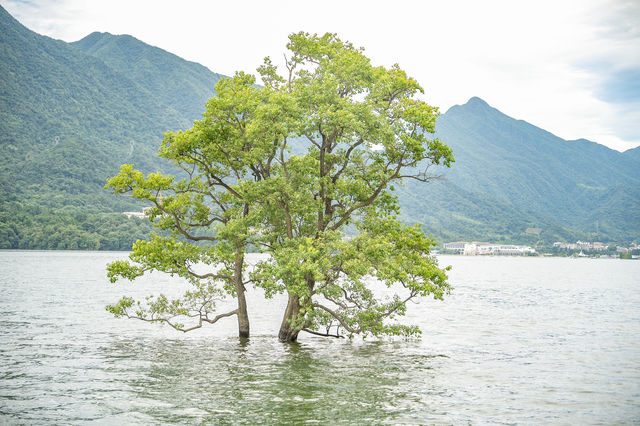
x: 521, y: 340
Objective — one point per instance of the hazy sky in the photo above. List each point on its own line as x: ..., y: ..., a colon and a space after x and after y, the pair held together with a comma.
x: 570, y: 67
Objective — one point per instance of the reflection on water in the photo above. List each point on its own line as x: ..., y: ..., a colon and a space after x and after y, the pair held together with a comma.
x: 519, y: 341
x: 265, y: 381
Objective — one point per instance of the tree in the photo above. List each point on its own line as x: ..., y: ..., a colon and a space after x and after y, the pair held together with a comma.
x: 206, y: 212
x: 363, y: 129
x: 304, y: 169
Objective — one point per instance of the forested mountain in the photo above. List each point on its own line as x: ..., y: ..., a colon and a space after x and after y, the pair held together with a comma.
x: 69, y: 119
x: 632, y: 154
x: 71, y: 113
x: 182, y: 85
x: 522, y: 176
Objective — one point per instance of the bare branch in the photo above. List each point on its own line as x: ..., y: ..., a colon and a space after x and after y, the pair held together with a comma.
x: 313, y: 141
x: 220, y: 316
x: 181, y: 230
x: 422, y: 177
x: 176, y: 327
x: 207, y: 275
x: 338, y: 318
x: 339, y: 336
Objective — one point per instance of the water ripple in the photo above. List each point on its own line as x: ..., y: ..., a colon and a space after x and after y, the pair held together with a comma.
x: 519, y: 341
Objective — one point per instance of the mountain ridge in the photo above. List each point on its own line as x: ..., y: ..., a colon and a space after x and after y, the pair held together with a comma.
x: 68, y: 121
x: 67, y: 131
x: 516, y: 162
x: 183, y: 84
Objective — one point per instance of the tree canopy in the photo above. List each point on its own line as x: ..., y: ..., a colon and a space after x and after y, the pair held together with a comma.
x: 304, y: 169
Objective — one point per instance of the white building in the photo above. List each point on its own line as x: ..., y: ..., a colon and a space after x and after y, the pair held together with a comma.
x: 457, y: 246
x: 481, y: 249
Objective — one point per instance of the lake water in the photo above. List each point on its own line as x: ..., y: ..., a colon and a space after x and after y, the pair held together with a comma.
x: 521, y: 340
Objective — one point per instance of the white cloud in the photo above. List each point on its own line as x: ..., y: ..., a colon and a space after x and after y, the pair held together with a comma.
x: 529, y: 60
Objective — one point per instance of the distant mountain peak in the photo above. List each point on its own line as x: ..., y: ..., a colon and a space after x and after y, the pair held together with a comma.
x: 98, y: 40
x: 97, y: 35
x: 473, y: 104
x: 477, y: 101
x: 92, y: 39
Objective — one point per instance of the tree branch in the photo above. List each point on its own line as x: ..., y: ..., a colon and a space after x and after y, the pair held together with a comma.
x: 347, y: 156
x: 176, y: 327
x: 322, y: 334
x: 338, y: 318
x: 367, y: 202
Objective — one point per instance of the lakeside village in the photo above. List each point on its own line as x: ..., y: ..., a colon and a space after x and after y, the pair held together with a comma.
x: 577, y: 249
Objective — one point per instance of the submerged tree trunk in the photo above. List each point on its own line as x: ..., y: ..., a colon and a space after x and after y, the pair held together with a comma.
x: 243, y: 314
x: 289, y: 333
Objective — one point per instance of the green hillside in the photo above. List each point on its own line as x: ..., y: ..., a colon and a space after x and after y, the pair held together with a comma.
x: 451, y: 213
x: 73, y: 112
x: 540, y: 178
x: 185, y: 86
x: 68, y: 121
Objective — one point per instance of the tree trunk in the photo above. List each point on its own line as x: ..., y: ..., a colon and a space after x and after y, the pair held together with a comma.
x: 243, y: 314
x: 288, y: 333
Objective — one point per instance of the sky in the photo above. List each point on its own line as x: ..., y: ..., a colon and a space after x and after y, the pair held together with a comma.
x: 571, y: 67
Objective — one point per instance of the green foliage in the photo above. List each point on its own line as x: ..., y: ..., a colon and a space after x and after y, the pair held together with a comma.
x: 394, y: 255
x: 362, y: 128
x: 28, y: 226
x: 208, y: 205
x: 160, y: 309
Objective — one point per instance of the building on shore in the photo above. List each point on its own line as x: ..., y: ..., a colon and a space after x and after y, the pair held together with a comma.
x: 483, y: 249
x: 582, y: 245
x: 457, y: 246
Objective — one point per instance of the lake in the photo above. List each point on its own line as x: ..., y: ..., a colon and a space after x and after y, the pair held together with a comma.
x: 520, y: 340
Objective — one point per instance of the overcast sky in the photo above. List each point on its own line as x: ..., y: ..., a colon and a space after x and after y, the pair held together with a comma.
x: 570, y: 67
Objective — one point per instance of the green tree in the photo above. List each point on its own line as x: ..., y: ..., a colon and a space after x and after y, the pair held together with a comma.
x: 206, y: 212
x: 362, y: 129
x: 302, y: 168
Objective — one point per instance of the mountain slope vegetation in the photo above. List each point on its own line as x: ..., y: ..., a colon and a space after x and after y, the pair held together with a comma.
x: 578, y: 185
x: 72, y: 113
x: 69, y: 120
x: 179, y: 84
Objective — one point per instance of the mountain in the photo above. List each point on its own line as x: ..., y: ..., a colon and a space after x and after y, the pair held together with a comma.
x: 529, y: 177
x: 69, y: 119
x: 185, y: 86
x: 452, y: 213
x: 632, y: 154
x: 73, y: 112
